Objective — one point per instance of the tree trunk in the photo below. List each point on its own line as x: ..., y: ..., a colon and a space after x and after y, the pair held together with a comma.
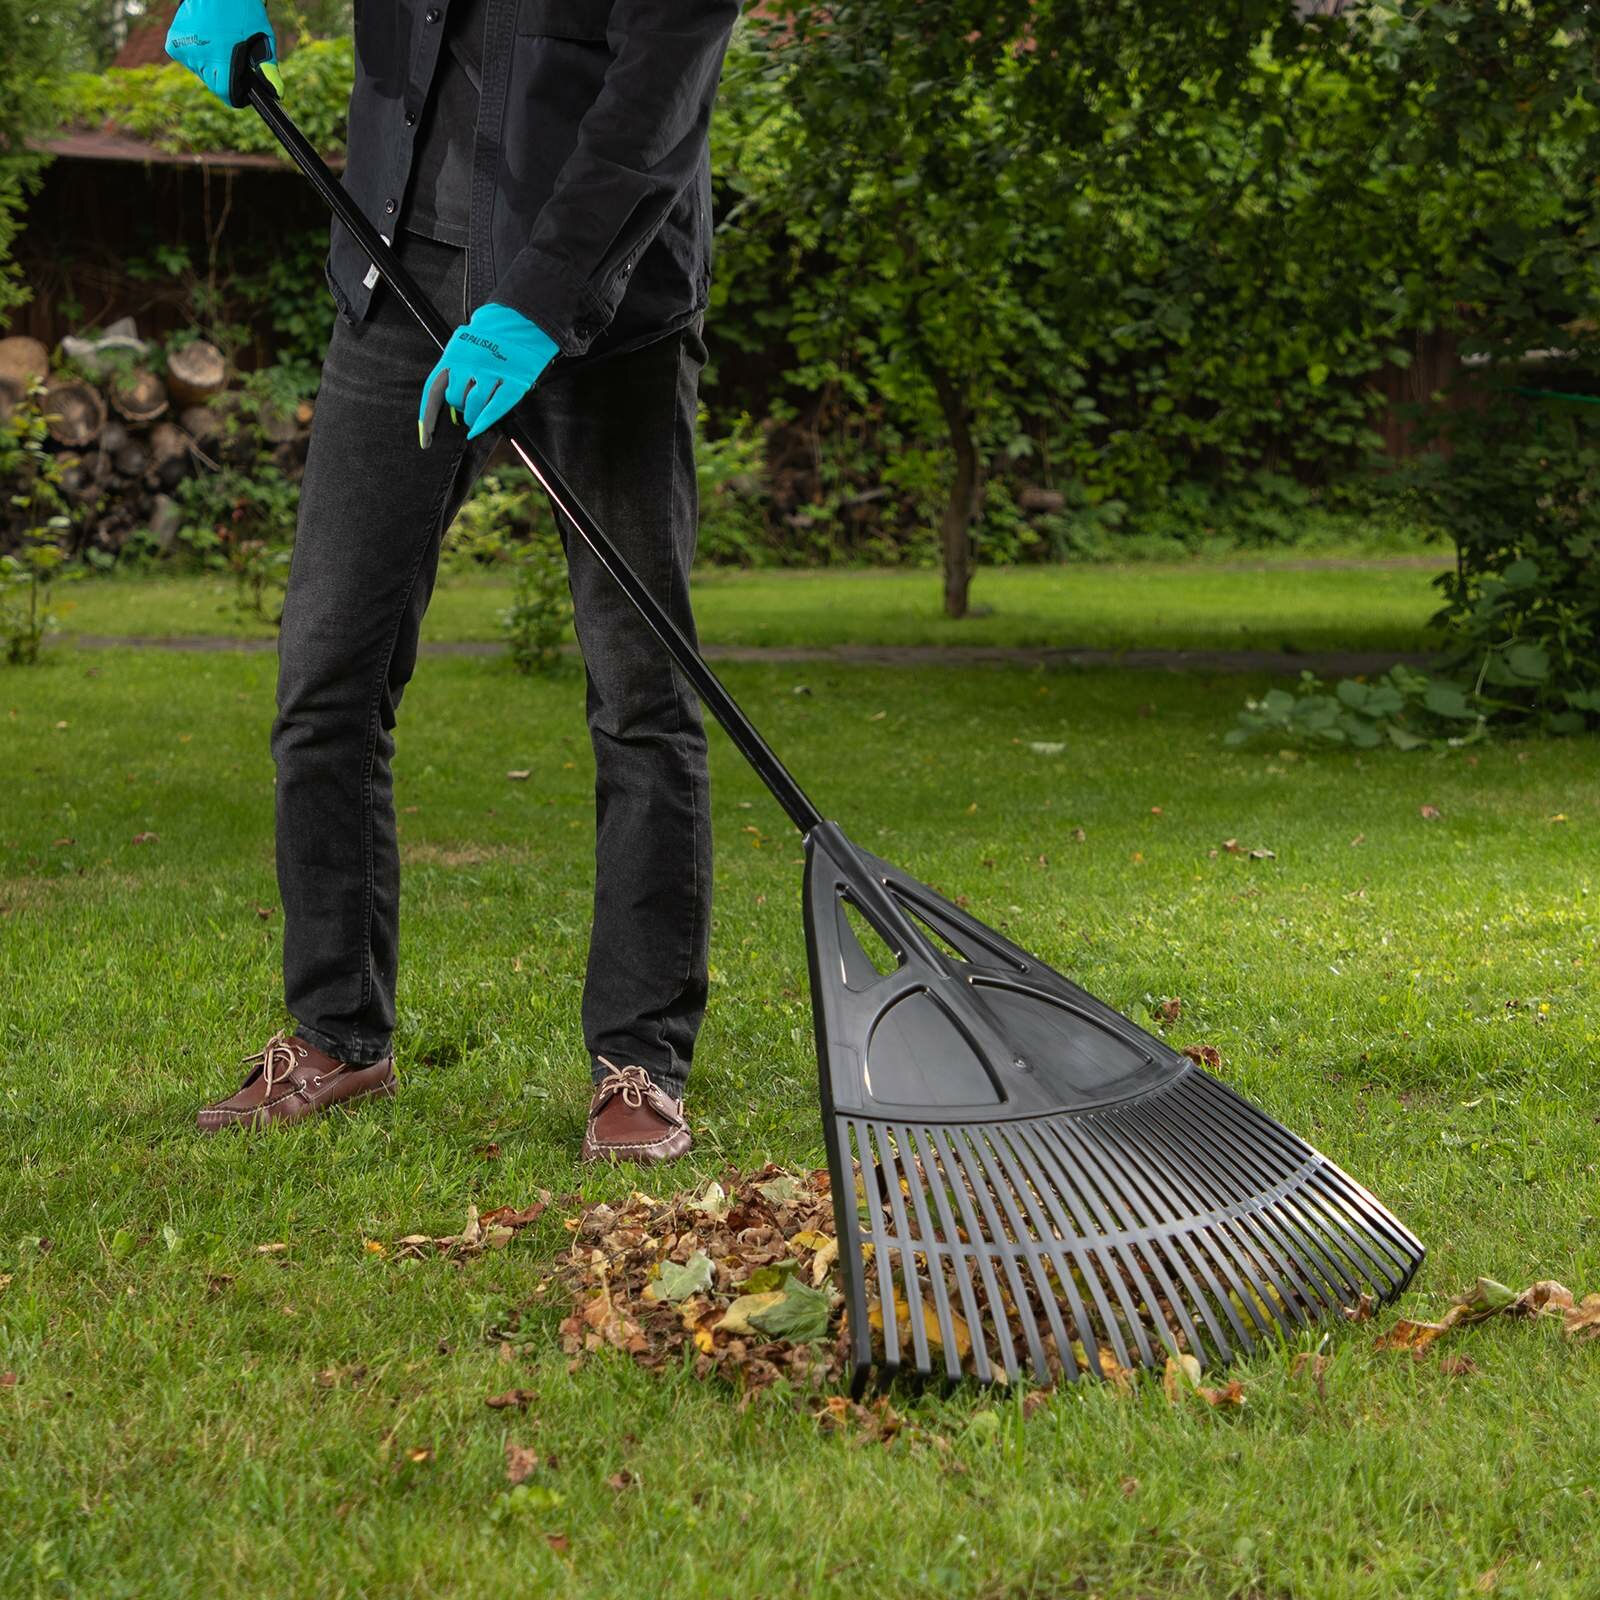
x: 955, y: 526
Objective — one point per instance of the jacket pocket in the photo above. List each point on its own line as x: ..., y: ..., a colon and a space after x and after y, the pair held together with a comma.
x: 583, y: 20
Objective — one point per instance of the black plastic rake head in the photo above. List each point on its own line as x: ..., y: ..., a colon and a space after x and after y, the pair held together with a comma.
x: 1043, y: 1185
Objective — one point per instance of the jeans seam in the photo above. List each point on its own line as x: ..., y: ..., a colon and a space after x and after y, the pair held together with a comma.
x: 372, y: 723
x: 692, y: 944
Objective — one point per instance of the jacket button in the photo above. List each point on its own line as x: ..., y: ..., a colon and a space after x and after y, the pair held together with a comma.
x: 433, y: 13
x: 411, y: 118
x: 389, y: 206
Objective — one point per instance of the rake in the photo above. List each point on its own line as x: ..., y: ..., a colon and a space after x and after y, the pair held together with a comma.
x: 1023, y: 1179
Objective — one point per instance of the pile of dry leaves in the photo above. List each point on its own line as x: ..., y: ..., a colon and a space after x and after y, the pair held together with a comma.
x: 738, y: 1279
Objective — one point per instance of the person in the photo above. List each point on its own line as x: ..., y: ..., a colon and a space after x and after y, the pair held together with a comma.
x: 542, y: 165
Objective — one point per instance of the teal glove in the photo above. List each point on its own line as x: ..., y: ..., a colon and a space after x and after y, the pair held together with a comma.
x: 207, y: 36
x: 487, y: 367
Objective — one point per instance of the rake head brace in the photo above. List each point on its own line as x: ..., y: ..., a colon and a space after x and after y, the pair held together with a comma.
x: 1043, y: 1184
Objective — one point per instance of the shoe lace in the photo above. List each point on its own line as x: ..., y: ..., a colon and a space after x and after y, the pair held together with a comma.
x: 632, y: 1083
x: 275, y: 1059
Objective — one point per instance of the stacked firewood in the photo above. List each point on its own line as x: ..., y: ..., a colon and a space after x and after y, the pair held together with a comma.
x: 129, y: 425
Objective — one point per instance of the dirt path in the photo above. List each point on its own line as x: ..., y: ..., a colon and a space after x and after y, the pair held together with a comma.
x: 1324, y: 663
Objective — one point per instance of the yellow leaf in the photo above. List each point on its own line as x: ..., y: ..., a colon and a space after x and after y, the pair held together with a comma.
x: 825, y: 1258
x: 930, y: 1324
x: 736, y: 1319
x: 1182, y: 1374
x: 703, y: 1342
x: 374, y: 1248
x: 812, y: 1240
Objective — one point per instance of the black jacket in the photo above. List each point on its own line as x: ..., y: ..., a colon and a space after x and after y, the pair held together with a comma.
x: 591, y: 173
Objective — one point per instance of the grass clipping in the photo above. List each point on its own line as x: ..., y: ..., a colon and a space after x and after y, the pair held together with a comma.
x: 737, y: 1281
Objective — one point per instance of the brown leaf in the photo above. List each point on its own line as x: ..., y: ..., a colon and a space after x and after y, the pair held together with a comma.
x: 521, y: 1463
x: 8, y: 1380
x: 558, y: 1542
x: 1319, y: 1370
x: 1430, y: 813
x: 1457, y: 1366
x: 147, y: 838
x: 1231, y: 1394
x: 1583, y: 1320
x: 1204, y: 1055
x: 512, y: 1399
x: 520, y: 775
x: 1408, y: 1335
x: 1169, y: 1011
x: 265, y: 912
x: 1129, y: 1487
x: 419, y: 1454
x: 1544, y: 1296
x: 1362, y: 1310
x: 510, y: 1216
x: 622, y: 1480
x: 277, y: 1248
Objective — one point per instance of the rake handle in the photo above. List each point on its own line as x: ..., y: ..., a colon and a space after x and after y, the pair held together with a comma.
x: 772, y: 772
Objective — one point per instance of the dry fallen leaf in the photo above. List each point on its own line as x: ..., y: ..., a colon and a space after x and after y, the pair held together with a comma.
x: 520, y: 775
x: 512, y: 1399
x: 1544, y: 1296
x: 521, y: 1463
x: 1430, y: 813
x: 275, y: 1249
x: 1181, y: 1377
x: 1362, y: 1310
x: 1583, y: 1320
x: 1204, y: 1055
x: 558, y: 1542
x: 1457, y: 1366
x: 1169, y: 1011
x: 1231, y: 1394
x: 147, y: 838
x: 419, y: 1455
x: 1409, y: 1335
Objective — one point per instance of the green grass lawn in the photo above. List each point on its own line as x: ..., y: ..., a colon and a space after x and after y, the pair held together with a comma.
x: 1230, y: 605
x: 1416, y: 996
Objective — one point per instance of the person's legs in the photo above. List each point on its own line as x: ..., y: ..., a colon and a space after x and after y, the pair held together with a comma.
x: 373, y: 509
x: 621, y: 432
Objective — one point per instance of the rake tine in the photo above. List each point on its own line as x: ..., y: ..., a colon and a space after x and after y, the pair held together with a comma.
x: 1308, y: 1247
x: 1088, y: 1140
x: 900, y: 1142
x: 1301, y: 1220
x: 880, y: 1251
x: 1332, y: 1236
x: 908, y: 1268
x: 1198, y: 1243
x: 1380, y: 1223
x: 1177, y: 1141
x: 987, y: 1194
x: 965, y: 1189
x: 960, y: 1267
x: 1024, y: 1189
x: 1115, y: 1260
x: 1090, y: 1266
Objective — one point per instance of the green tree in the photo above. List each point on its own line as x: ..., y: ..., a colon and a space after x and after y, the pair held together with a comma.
x: 31, y: 49
x: 950, y: 167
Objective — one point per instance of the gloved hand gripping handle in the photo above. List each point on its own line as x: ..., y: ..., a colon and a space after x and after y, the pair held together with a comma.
x: 772, y: 772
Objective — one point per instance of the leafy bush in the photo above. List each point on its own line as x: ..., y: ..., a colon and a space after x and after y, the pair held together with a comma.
x: 1520, y: 494
x: 170, y: 107
x: 1405, y: 709
x: 36, y: 525
x: 539, y: 619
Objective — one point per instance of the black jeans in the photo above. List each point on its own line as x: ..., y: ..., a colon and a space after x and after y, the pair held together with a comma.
x: 373, y: 510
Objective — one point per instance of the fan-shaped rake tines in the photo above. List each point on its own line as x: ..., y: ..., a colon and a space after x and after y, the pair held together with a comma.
x: 1025, y: 1180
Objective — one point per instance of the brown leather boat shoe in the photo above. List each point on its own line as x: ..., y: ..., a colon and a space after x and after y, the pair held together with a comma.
x: 290, y: 1080
x: 630, y: 1119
